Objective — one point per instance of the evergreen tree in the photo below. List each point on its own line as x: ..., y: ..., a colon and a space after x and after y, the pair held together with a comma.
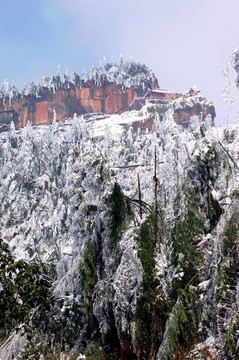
x: 24, y: 291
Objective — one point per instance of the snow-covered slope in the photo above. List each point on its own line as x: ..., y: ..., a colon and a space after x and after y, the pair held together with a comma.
x: 164, y: 280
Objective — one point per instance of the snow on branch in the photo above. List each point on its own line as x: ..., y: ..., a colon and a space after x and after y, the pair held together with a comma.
x: 127, y: 74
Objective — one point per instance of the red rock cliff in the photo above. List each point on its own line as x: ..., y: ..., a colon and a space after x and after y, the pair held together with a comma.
x: 109, y: 89
x: 65, y: 102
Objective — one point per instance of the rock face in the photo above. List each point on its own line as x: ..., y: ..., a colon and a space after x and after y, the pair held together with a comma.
x: 109, y: 98
x: 183, y: 115
x: 109, y: 89
x: 65, y: 102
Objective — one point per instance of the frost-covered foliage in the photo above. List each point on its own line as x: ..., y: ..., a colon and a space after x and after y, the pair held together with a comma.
x: 229, y: 91
x: 128, y: 74
x: 236, y: 63
x: 153, y: 280
x: 8, y: 91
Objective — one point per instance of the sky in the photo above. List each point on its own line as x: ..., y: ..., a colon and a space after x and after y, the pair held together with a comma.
x: 184, y: 42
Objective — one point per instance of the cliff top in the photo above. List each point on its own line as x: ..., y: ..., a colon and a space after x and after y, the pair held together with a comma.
x: 127, y: 74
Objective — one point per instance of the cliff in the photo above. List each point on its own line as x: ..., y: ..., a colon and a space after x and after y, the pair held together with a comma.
x: 65, y: 102
x: 107, y: 90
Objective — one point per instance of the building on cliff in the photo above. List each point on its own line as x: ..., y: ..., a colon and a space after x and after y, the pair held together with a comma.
x: 184, y: 106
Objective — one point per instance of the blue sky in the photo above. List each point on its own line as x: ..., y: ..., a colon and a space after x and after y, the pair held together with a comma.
x: 184, y: 42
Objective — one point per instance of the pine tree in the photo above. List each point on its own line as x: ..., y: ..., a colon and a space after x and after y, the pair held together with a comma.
x: 23, y: 288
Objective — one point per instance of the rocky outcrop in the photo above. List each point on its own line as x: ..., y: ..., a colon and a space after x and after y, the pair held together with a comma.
x: 109, y: 89
x: 183, y: 109
x: 182, y: 116
x: 65, y: 102
x: 109, y: 98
